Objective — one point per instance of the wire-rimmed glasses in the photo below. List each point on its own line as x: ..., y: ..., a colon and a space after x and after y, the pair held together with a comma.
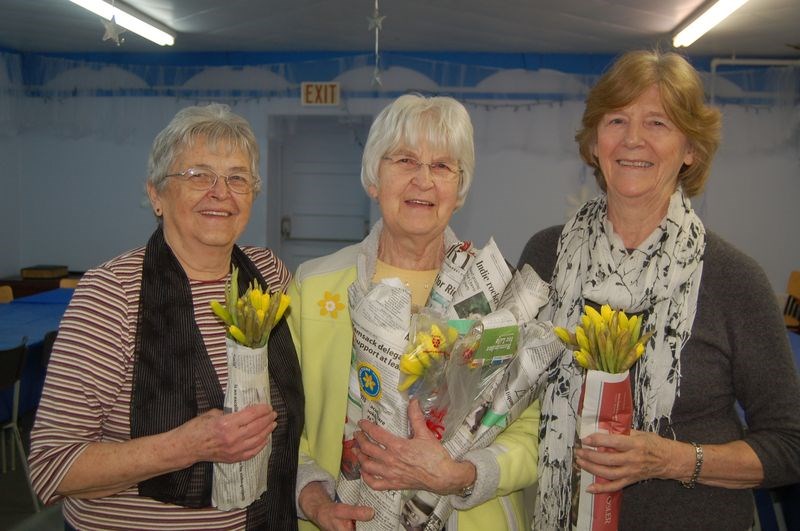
x: 202, y: 179
x: 441, y: 170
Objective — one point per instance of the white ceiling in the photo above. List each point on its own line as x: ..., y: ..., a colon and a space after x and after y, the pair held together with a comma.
x: 761, y: 28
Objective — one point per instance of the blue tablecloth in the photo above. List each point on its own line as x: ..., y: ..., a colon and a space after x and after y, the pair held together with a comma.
x: 32, y: 320
x: 30, y: 317
x: 54, y: 296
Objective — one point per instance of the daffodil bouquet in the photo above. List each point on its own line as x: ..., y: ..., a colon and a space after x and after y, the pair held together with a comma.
x: 426, y: 353
x: 607, y: 340
x: 248, y: 320
x: 423, y: 365
x: 607, y: 344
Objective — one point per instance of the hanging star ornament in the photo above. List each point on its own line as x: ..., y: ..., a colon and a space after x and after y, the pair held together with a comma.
x: 113, y: 31
x: 375, y: 21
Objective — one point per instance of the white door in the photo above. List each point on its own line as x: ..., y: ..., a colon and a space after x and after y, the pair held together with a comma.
x: 319, y: 205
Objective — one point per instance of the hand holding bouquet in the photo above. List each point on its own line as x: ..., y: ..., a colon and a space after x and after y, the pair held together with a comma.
x: 248, y: 321
x: 606, y: 343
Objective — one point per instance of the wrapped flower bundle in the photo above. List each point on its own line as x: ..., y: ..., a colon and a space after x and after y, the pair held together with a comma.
x: 423, y: 364
x: 605, y: 343
x: 248, y: 320
x: 399, y: 353
x: 487, y: 346
x: 426, y: 352
x: 607, y: 340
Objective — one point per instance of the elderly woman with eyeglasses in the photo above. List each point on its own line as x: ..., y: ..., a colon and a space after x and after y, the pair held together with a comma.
x: 130, y: 420
x: 417, y: 164
x: 718, y: 339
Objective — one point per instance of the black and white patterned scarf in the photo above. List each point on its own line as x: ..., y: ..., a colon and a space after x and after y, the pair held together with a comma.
x: 660, y: 278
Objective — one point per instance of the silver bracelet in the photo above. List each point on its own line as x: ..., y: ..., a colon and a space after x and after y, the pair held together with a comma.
x: 698, y: 465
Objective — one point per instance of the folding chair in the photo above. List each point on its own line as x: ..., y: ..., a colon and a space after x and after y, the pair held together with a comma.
x: 12, y: 361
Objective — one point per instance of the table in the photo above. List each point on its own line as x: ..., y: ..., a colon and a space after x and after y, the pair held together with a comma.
x: 23, y: 287
x: 53, y: 296
x: 33, y: 317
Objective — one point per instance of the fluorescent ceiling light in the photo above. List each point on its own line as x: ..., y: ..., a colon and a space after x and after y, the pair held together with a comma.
x: 128, y: 20
x: 710, y: 18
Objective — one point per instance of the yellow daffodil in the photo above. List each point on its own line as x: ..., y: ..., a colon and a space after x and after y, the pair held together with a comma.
x: 429, y: 347
x: 250, y: 318
x: 607, y: 340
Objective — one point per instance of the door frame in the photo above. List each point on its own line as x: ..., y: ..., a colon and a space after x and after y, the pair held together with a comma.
x: 278, y: 127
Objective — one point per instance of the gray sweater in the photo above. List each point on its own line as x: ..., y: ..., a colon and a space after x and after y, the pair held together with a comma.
x: 738, y: 351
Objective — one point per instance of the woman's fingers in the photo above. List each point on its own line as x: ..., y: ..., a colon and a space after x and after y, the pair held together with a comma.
x: 416, y: 418
x: 342, y: 517
x: 229, y: 438
x: 623, y: 459
x: 377, y: 434
x: 328, y: 515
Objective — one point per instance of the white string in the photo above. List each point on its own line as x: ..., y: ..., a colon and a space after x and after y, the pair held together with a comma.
x: 376, y: 22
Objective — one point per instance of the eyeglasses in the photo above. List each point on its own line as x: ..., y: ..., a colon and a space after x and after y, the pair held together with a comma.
x: 441, y: 171
x: 203, y: 179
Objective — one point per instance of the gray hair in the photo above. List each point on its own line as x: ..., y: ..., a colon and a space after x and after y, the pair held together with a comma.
x: 440, y: 121
x: 216, y: 124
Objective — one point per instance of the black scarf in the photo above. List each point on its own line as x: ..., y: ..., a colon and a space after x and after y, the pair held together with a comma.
x: 174, y: 381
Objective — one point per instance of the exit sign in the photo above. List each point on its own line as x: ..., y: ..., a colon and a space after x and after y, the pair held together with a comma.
x: 319, y: 93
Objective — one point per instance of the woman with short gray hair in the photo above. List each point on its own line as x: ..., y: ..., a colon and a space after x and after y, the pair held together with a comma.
x: 130, y: 422
x: 418, y: 164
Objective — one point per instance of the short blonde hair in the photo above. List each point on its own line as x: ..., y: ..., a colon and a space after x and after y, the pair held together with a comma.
x: 683, y: 98
x: 441, y: 121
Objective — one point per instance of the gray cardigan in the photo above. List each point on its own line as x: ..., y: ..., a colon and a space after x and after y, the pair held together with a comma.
x: 738, y: 351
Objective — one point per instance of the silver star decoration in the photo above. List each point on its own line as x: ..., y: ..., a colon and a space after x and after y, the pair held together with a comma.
x: 375, y: 21
x: 113, y: 31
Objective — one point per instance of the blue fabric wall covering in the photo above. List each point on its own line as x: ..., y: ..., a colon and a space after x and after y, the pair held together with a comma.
x: 458, y: 74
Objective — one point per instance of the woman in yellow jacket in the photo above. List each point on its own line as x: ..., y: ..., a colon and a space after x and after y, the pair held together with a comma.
x: 418, y: 164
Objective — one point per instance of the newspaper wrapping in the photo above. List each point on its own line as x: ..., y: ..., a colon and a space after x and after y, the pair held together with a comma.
x: 522, y: 298
x: 381, y: 317
x: 482, y: 285
x: 525, y: 294
x: 605, y: 406
x: 457, y: 261
x: 488, y: 346
x: 237, y: 485
x: 502, y: 402
x: 381, y: 320
x: 520, y: 303
x: 469, y: 283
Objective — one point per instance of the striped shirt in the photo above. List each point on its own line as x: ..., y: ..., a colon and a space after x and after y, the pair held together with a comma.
x: 87, y: 392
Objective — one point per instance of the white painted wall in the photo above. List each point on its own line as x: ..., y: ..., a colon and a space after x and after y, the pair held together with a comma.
x: 72, y: 193
x: 10, y: 212
x: 82, y: 198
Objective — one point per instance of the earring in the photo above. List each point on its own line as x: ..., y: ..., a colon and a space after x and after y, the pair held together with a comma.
x: 158, y: 212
